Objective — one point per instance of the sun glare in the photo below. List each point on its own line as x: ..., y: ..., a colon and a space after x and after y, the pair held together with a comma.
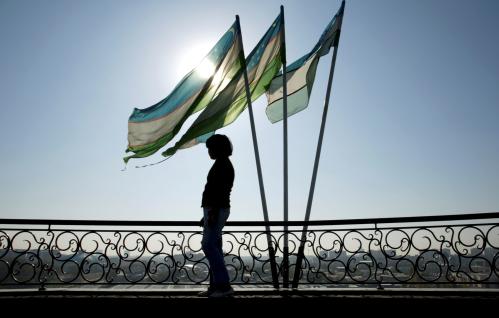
x: 205, y: 69
x: 193, y: 58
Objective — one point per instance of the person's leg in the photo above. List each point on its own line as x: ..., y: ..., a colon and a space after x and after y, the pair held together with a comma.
x: 211, y: 244
x: 223, y: 216
x: 212, y: 282
x: 223, y: 284
x: 208, y: 252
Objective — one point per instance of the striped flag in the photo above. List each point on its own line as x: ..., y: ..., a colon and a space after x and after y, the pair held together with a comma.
x: 263, y: 63
x: 300, y: 74
x: 151, y: 128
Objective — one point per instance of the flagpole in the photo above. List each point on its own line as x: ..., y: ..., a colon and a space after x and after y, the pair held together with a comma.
x: 301, y: 249
x: 285, y: 265
x: 273, y: 265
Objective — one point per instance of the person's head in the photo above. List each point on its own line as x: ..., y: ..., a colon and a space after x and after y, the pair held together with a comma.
x: 219, y: 146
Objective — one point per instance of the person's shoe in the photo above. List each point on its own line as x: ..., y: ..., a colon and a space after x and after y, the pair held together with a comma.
x: 222, y: 293
x: 206, y: 293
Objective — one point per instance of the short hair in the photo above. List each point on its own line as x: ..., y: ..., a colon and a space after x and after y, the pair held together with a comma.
x: 220, y: 145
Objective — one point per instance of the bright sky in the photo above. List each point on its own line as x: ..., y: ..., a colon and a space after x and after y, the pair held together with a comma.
x: 412, y: 128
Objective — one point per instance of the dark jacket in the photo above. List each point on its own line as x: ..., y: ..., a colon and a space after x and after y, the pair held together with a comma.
x: 219, y: 184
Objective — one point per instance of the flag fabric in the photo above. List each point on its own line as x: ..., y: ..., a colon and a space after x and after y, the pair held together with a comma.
x: 151, y: 128
x: 300, y: 74
x: 262, y: 64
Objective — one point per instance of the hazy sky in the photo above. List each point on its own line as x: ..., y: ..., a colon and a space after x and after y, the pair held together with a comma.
x: 412, y: 128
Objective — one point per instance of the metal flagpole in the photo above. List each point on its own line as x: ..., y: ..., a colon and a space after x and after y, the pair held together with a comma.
x: 273, y: 265
x: 301, y: 249
x: 285, y: 265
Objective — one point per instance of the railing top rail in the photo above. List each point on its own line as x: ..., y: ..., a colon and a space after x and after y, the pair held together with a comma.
x: 435, y: 218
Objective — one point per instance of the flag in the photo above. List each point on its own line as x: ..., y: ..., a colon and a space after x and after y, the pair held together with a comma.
x: 262, y: 64
x: 151, y: 128
x: 300, y: 74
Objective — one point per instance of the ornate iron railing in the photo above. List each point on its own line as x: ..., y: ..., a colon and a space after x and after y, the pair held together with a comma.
x: 451, y: 250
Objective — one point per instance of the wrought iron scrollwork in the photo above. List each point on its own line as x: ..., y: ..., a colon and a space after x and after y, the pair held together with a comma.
x: 397, y: 254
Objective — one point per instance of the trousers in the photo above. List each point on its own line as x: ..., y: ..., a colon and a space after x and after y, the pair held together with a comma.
x: 212, y: 247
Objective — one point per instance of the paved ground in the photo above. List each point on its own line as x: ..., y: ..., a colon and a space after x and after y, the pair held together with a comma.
x: 246, y: 300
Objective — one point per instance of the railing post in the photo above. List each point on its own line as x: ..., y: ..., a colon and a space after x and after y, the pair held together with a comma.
x: 379, y: 282
x: 285, y: 260
x: 43, y: 267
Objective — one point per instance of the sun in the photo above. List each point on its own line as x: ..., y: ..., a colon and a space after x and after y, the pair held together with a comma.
x: 205, y: 69
x: 194, y: 58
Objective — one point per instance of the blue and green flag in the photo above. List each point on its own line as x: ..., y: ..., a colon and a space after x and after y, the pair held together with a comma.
x: 300, y: 75
x: 151, y: 128
x: 262, y: 65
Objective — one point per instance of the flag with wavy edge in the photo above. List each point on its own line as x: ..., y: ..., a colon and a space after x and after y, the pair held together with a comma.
x: 300, y: 75
x: 262, y: 65
x: 151, y: 128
